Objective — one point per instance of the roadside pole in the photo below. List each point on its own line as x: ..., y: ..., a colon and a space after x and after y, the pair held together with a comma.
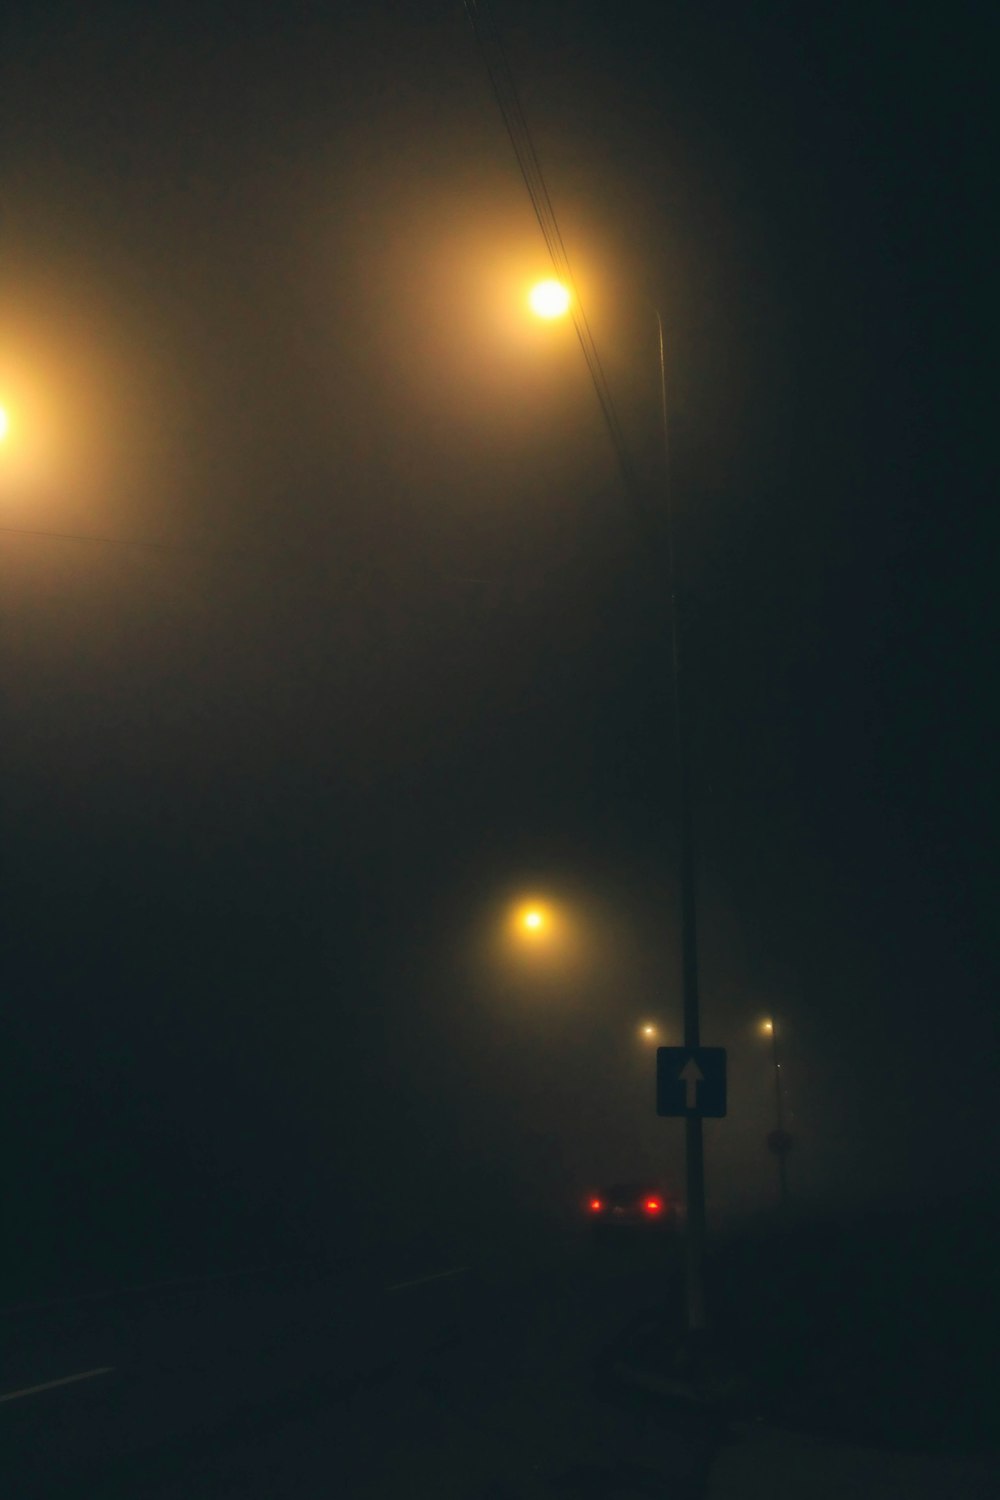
x: 782, y: 1178
x: 694, y: 1155
x: 694, y: 1151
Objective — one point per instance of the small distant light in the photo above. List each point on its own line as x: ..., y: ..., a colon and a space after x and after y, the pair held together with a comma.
x: 4, y: 424
x: 653, y: 1205
x: 649, y: 1031
x: 596, y: 1205
x: 533, y: 919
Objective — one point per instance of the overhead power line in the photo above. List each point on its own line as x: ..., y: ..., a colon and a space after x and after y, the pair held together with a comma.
x: 480, y: 13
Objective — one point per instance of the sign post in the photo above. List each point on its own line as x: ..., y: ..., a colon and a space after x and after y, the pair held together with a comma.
x: 779, y: 1133
x: 691, y: 1083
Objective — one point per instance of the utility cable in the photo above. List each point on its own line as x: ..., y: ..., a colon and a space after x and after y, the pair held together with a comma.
x: 491, y: 46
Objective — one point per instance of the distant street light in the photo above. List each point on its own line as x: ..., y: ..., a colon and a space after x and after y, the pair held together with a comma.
x: 549, y: 299
x: 542, y: 941
x: 532, y: 923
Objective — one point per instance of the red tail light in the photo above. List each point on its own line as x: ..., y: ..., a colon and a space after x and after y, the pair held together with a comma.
x: 653, y: 1206
x: 596, y: 1205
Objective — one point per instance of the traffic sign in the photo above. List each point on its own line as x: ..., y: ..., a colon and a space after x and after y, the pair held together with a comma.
x: 691, y: 1081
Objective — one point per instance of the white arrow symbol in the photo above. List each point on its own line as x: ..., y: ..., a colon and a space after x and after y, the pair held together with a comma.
x: 692, y: 1076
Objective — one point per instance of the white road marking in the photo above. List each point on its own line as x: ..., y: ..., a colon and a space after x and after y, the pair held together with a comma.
x: 49, y: 1385
x: 401, y: 1286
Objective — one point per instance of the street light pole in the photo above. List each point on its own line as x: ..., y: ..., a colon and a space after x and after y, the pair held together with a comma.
x: 694, y: 1155
x: 662, y: 538
x: 780, y: 1153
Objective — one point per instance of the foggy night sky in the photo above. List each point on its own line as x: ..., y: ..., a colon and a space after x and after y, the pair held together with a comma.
x: 267, y: 789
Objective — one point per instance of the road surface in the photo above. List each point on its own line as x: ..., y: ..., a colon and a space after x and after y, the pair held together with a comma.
x: 461, y: 1376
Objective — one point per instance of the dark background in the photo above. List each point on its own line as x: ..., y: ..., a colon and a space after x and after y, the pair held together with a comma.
x: 270, y: 784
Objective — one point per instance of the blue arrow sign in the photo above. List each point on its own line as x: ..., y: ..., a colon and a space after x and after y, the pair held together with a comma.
x: 691, y: 1081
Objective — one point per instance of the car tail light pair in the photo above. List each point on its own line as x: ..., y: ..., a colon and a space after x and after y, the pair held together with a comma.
x: 651, y: 1205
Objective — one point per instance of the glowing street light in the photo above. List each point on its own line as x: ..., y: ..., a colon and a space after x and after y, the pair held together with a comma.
x: 544, y: 941
x: 538, y: 941
x: 531, y: 922
x: 549, y: 299
x: 4, y: 423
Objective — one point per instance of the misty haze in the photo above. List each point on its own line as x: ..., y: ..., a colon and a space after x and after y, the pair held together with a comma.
x: 497, y: 780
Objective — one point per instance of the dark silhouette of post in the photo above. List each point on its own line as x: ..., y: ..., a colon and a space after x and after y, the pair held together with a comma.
x: 694, y: 1157
x: 781, y: 1152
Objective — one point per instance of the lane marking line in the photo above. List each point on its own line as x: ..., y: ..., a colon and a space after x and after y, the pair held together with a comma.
x: 401, y: 1286
x: 50, y: 1385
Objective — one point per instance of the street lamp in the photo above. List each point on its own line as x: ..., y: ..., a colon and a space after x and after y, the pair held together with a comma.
x: 533, y: 920
x: 543, y: 944
x: 549, y: 299
x: 532, y: 923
